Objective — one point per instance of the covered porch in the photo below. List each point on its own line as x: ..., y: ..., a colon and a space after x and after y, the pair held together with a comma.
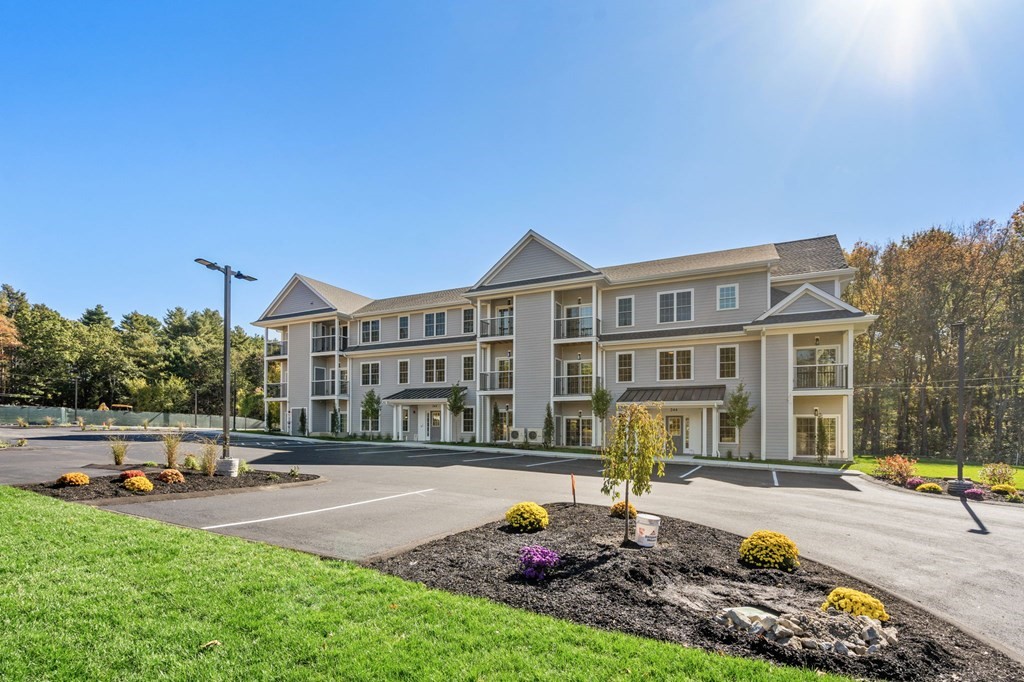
x: 421, y: 414
x: 691, y: 414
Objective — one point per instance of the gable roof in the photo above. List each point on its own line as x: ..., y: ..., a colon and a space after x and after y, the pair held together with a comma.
x: 557, y: 263
x: 343, y: 300
x: 808, y: 290
x: 818, y: 254
x: 747, y: 255
x: 431, y: 299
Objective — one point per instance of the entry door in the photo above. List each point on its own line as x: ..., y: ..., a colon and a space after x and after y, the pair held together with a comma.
x: 505, y: 321
x: 435, y: 425
x: 572, y: 432
x: 676, y: 431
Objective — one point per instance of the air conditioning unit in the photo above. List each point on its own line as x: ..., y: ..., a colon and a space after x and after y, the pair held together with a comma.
x: 535, y: 435
x: 516, y: 435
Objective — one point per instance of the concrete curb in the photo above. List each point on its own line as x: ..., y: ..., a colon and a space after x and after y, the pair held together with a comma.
x: 164, y: 497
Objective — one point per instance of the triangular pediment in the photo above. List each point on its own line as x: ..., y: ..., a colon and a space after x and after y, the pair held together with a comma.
x: 297, y: 298
x: 532, y: 258
x: 808, y: 299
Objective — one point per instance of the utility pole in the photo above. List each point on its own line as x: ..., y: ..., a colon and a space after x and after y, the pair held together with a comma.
x: 195, y: 413
x: 76, y: 396
x: 960, y: 485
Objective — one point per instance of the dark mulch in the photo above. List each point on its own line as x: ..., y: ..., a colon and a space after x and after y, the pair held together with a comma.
x: 102, y: 487
x: 944, y: 483
x: 672, y: 592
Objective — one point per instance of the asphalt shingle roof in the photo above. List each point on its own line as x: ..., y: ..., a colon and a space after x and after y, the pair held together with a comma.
x: 343, y: 300
x: 810, y: 255
x: 683, y: 264
x: 431, y: 299
x: 810, y: 317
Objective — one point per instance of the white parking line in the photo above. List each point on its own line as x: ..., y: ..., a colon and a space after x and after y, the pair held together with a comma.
x: 436, y: 454
x: 540, y: 464
x: 316, y: 511
x: 775, y: 478
x: 691, y: 471
x: 488, y: 459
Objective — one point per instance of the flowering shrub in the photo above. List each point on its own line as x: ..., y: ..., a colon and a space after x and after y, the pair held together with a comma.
x: 1003, y: 489
x: 75, y: 478
x: 933, y: 488
x: 856, y: 603
x: 527, y: 517
x: 768, y: 549
x: 895, y: 468
x: 138, y: 484
x: 915, y: 481
x: 618, y: 510
x: 995, y: 473
x: 535, y: 561
x: 131, y: 473
x: 975, y: 494
x: 171, y: 476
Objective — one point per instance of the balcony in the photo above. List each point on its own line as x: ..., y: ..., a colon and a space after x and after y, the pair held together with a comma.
x: 496, y: 327
x: 582, y: 385
x: 276, y: 349
x: 277, y: 390
x: 323, y: 344
x: 328, y: 388
x: 577, y: 327
x: 496, y: 381
x: 817, y: 377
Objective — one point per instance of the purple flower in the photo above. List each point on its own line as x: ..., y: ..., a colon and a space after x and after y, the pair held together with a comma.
x: 975, y: 494
x: 535, y: 560
x: 912, y: 483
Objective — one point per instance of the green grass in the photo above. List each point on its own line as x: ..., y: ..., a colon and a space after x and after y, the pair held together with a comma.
x: 88, y: 594
x: 787, y: 462
x: 935, y: 468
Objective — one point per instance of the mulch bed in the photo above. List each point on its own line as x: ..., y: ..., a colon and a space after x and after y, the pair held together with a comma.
x: 104, y: 487
x: 944, y: 483
x: 672, y: 592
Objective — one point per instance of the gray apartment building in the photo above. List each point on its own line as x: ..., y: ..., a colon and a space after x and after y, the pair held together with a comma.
x: 541, y: 327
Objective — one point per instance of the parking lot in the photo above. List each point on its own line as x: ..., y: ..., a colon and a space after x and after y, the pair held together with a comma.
x: 377, y: 499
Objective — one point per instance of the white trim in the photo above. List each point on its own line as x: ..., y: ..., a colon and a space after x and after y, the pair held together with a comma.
x: 632, y: 311
x: 370, y: 321
x: 790, y: 434
x: 462, y: 419
x: 718, y: 296
x: 675, y: 305
x: 811, y: 290
x: 408, y: 327
x: 764, y: 395
x: 632, y: 366
x: 819, y: 275
x: 520, y: 245
x: 697, y: 273
x: 718, y: 360
x: 678, y: 349
x: 296, y: 278
x: 369, y: 362
x: 473, y: 330
x: 435, y: 359
x: 398, y: 371
x: 462, y: 368
x: 435, y: 313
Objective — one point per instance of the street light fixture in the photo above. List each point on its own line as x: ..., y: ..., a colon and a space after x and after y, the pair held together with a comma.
x: 228, y: 274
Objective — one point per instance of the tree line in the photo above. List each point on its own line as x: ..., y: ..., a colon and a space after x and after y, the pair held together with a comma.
x: 905, y: 398
x: 169, y: 365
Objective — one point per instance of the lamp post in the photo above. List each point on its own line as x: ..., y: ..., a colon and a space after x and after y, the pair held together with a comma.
x: 228, y: 274
x: 958, y: 486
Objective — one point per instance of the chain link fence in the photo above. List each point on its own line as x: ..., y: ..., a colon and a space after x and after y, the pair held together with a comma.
x: 9, y: 415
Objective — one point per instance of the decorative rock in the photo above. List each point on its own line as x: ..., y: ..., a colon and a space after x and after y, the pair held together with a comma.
x: 756, y: 629
x: 769, y: 622
x: 890, y: 635
x: 783, y: 632
x: 809, y: 643
x: 738, y: 619
x: 874, y: 648
x: 840, y: 647
x: 870, y: 633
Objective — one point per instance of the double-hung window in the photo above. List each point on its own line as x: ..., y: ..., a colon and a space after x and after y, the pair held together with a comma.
x: 403, y: 327
x: 371, y: 331
x: 368, y: 423
x: 434, y: 324
x: 728, y: 362
x: 468, y: 367
x: 624, y: 311
x: 675, y: 306
x: 403, y: 371
x: 674, y: 365
x: 726, y: 428
x: 624, y: 365
x: 433, y: 370
x: 728, y: 296
x: 467, y: 320
x: 467, y: 420
x: 370, y: 374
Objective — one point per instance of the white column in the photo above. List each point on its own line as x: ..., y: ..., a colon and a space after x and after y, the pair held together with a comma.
x: 764, y: 391
x: 445, y: 419
x: 396, y: 422
x: 703, y: 426
x: 714, y: 432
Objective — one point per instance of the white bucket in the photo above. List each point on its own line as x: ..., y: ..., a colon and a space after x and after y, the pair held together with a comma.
x: 227, y: 467
x: 647, y: 529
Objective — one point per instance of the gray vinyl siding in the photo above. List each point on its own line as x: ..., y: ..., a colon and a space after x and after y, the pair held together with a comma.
x: 534, y: 261
x: 777, y: 396
x: 753, y: 300
x: 826, y: 285
x: 533, y: 382
x: 300, y: 299
x: 389, y: 326
x: 298, y: 366
x: 806, y: 304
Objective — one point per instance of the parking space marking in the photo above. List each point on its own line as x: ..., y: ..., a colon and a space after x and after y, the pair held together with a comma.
x: 488, y: 459
x: 436, y: 454
x: 691, y: 471
x: 775, y: 479
x: 554, y: 461
x: 315, y: 511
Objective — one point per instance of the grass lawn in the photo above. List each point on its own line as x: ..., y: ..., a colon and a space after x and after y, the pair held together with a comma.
x: 935, y: 468
x: 89, y: 594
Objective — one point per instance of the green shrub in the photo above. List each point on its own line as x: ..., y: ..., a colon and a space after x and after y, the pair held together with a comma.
x: 20, y: 443
x: 895, y: 468
x: 997, y: 473
x: 618, y: 510
x: 768, y: 549
x: 293, y: 472
x: 856, y: 603
x: 191, y: 463
x: 22, y: 422
x: 243, y: 466
x: 150, y: 464
x: 933, y: 488
x: 1003, y: 489
x: 1016, y: 498
x: 527, y: 517
x: 139, y: 484
x: 4, y: 445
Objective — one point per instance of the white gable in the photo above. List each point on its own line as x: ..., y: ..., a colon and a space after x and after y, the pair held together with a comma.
x: 808, y: 299
x: 295, y: 299
x: 533, y: 257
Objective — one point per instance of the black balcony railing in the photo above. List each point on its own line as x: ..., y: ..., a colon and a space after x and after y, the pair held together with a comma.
x: 583, y: 384
x: 277, y: 390
x: 329, y: 387
x: 577, y: 327
x: 819, y: 376
x: 277, y: 348
x: 323, y: 344
x: 497, y: 327
x: 496, y: 381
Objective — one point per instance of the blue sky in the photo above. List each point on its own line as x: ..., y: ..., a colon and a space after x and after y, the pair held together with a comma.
x: 394, y: 147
